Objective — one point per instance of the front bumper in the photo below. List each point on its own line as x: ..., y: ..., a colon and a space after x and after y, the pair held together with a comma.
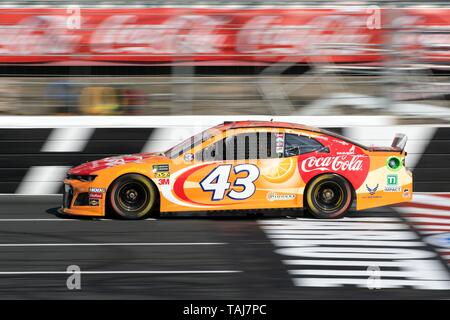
x: 74, y: 199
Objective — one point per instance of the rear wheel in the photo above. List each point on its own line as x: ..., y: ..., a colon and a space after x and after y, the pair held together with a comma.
x: 329, y: 196
x: 133, y: 196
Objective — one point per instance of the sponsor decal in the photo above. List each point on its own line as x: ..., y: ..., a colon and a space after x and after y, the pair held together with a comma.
x: 116, y: 161
x: 164, y: 174
x: 351, y: 151
x: 394, y: 163
x: 340, y: 142
x: 94, y: 202
x: 95, y: 195
x: 164, y: 181
x: 97, y: 190
x: 273, y: 196
x: 392, y: 181
x: 349, y: 161
x: 160, y: 167
x: 324, y: 138
x: 392, y: 189
x: 406, y: 193
x: 333, y: 163
x: 188, y: 157
x: 279, y: 140
x: 373, y: 190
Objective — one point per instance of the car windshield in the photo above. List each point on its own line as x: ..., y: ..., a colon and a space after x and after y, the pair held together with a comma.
x: 188, y: 144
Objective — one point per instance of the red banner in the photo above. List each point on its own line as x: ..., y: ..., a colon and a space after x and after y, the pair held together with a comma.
x: 217, y: 36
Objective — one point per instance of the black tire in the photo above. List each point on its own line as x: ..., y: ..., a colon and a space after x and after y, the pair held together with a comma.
x: 133, y: 197
x: 329, y: 196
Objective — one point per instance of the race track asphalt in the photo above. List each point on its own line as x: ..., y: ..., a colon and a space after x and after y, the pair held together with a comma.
x: 224, y: 256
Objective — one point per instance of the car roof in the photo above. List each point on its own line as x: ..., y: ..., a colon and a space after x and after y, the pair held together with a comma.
x: 270, y: 124
x: 288, y: 125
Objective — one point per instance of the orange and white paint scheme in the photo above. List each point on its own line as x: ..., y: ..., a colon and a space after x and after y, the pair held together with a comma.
x: 244, y: 165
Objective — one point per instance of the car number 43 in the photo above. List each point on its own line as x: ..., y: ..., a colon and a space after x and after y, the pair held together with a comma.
x: 217, y: 181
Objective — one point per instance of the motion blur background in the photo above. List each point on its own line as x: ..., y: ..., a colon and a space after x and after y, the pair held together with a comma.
x: 367, y: 69
x: 84, y: 80
x: 235, y: 57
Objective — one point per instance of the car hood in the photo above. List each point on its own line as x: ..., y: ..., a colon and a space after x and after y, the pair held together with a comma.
x: 93, y: 166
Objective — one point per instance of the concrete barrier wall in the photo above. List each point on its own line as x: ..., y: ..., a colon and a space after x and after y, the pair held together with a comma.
x: 35, y: 152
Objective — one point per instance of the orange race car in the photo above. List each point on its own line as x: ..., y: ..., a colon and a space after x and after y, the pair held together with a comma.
x: 244, y: 165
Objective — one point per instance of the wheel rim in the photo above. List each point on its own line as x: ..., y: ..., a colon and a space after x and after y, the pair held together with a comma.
x: 328, y: 196
x: 133, y: 196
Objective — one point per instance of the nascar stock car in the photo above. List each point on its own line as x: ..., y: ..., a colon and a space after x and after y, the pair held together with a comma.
x: 244, y: 165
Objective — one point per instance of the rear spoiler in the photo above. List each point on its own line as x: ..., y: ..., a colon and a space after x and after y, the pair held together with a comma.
x: 398, y: 144
x: 399, y: 141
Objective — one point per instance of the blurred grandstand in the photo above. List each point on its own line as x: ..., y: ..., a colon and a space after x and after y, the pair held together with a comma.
x: 245, y: 57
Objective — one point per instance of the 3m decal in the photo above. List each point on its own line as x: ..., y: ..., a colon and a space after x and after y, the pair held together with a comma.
x: 164, y: 181
x: 217, y: 182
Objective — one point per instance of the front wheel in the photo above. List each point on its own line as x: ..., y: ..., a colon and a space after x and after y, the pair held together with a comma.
x: 133, y: 197
x: 329, y: 196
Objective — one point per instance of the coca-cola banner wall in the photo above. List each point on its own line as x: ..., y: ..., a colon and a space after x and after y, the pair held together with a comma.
x: 218, y: 36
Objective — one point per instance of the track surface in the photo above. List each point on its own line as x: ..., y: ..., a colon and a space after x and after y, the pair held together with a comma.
x: 221, y: 257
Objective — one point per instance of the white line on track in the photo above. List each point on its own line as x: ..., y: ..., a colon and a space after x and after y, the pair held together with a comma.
x: 431, y: 227
x: 430, y: 232
x: 336, y: 226
x: 346, y: 219
x: 358, y: 263
x: 443, y: 220
x: 112, y: 244
x: 351, y: 273
x: 121, y: 272
x: 61, y: 219
x: 318, y: 242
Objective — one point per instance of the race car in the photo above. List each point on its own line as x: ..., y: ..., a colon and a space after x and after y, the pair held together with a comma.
x: 244, y: 165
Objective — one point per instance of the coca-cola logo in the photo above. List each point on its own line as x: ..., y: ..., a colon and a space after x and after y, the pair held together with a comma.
x: 336, y: 163
x: 353, y: 164
x: 158, y: 34
x: 183, y: 34
x: 275, y: 34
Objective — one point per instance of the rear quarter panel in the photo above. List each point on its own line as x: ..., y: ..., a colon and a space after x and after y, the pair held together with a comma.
x: 384, y: 186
